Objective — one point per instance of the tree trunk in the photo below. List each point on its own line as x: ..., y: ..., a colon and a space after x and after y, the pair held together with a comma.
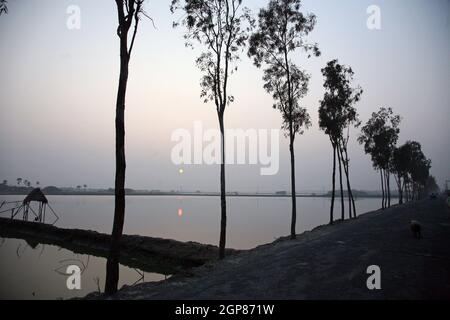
x: 382, y: 189
x: 385, y: 190
x: 294, y: 195
x: 341, y: 186
x: 334, y: 185
x: 112, y: 265
x: 416, y: 192
x: 400, y: 190
x: 291, y: 145
x: 388, y: 181
x: 405, y: 189
x: 223, y: 202
x: 408, y: 193
x: 348, y: 181
x: 349, y: 190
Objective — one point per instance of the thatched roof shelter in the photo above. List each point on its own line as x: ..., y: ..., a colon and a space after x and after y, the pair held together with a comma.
x: 35, y: 195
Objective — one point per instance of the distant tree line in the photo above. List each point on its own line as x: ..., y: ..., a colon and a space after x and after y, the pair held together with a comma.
x: 24, y: 182
x: 27, y: 183
x: 411, y: 170
x: 407, y: 163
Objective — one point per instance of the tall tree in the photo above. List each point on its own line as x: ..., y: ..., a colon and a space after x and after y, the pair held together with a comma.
x: 222, y: 27
x: 379, y: 137
x: 337, y: 113
x: 281, y: 32
x: 129, y: 13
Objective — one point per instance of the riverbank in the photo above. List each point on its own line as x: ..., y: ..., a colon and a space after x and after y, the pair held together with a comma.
x: 329, y: 262
x: 156, y: 255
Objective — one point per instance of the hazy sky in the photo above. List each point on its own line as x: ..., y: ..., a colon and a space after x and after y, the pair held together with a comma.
x: 58, y: 89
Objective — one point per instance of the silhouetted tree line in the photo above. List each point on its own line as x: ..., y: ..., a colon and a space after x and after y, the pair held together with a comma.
x: 407, y: 163
x: 411, y: 170
x: 24, y: 182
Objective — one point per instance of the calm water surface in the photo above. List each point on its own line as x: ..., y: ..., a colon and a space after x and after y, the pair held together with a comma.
x: 38, y: 272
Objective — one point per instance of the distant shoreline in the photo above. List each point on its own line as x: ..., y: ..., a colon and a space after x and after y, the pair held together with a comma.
x: 80, y: 191
x: 195, y: 194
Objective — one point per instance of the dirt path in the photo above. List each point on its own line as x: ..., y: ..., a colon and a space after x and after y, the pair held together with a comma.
x: 330, y: 262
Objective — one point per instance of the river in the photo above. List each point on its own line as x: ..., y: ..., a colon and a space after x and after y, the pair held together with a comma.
x: 36, y: 271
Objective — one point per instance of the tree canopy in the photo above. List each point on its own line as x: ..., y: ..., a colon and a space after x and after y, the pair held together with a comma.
x: 337, y: 110
x: 223, y: 28
x: 282, y: 29
x: 379, y: 137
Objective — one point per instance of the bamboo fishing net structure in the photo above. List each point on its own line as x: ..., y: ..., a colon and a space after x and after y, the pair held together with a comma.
x: 33, y: 207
